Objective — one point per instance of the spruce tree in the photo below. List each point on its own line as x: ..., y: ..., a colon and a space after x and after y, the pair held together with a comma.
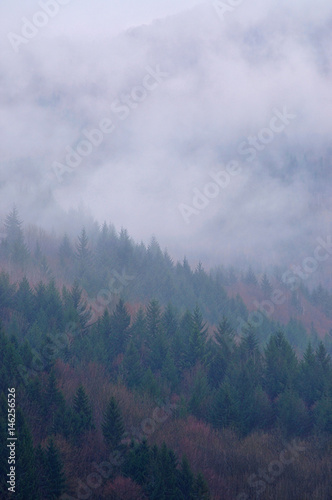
x: 112, y: 426
x: 15, y: 246
x: 82, y: 412
x: 119, y: 328
x: 54, y: 474
x: 27, y: 482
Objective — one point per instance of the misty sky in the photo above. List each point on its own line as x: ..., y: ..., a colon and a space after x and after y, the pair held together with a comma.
x: 181, y: 91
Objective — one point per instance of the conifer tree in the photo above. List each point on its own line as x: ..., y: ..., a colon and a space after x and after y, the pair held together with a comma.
x: 119, y: 328
x: 281, y: 365
x: 27, y: 483
x: 112, y: 426
x: 266, y: 286
x: 54, y: 474
x: 201, y: 489
x: 186, y: 480
x: 131, y: 367
x: 82, y: 412
x: 15, y: 246
x: 153, y: 319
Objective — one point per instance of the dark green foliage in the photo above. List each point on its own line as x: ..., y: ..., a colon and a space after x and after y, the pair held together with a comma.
x: 118, y: 329
x: 14, y: 245
x: 153, y: 319
x: 225, y: 409
x: 53, y: 472
x: 27, y: 481
x: 281, y: 365
x: 292, y: 414
x: 82, y: 413
x: 132, y: 368
x: 156, y: 470
x: 112, y: 426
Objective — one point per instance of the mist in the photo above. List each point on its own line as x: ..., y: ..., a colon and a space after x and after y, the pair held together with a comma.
x: 133, y: 113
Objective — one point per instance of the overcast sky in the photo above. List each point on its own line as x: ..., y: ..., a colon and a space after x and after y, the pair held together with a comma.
x: 183, y: 89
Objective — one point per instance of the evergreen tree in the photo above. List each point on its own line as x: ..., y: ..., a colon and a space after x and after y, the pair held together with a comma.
x: 138, y: 463
x: 119, y: 328
x: 197, y: 338
x: 225, y: 408
x: 65, y: 252
x: 55, y: 478
x: 80, y: 306
x: 281, y: 365
x: 201, y: 489
x: 82, y: 412
x: 15, y: 246
x: 266, y: 286
x: 169, y: 321
x: 308, y: 382
x: 292, y: 414
x: 186, y: 480
x: 250, y: 278
x: 27, y: 482
x: 112, y: 426
x: 131, y: 367
x: 153, y: 319
x: 199, y: 395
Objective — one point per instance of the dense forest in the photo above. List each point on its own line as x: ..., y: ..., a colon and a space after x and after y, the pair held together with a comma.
x: 140, y: 378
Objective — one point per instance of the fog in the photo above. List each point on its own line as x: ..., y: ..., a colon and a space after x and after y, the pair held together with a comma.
x: 167, y: 97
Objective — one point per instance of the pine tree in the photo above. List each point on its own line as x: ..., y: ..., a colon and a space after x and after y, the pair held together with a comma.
x: 197, y: 338
x: 15, y: 246
x: 138, y: 463
x: 308, y: 383
x: 83, y: 257
x: 27, y: 483
x: 82, y: 412
x: 201, y: 489
x: 131, y: 367
x: 225, y: 408
x: 281, y: 366
x: 169, y: 320
x: 65, y: 252
x: 250, y: 278
x: 153, y: 319
x: 80, y: 306
x: 292, y: 414
x: 199, y: 395
x: 186, y: 480
x: 266, y: 286
x: 119, y: 328
x: 112, y: 426
x: 55, y: 478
